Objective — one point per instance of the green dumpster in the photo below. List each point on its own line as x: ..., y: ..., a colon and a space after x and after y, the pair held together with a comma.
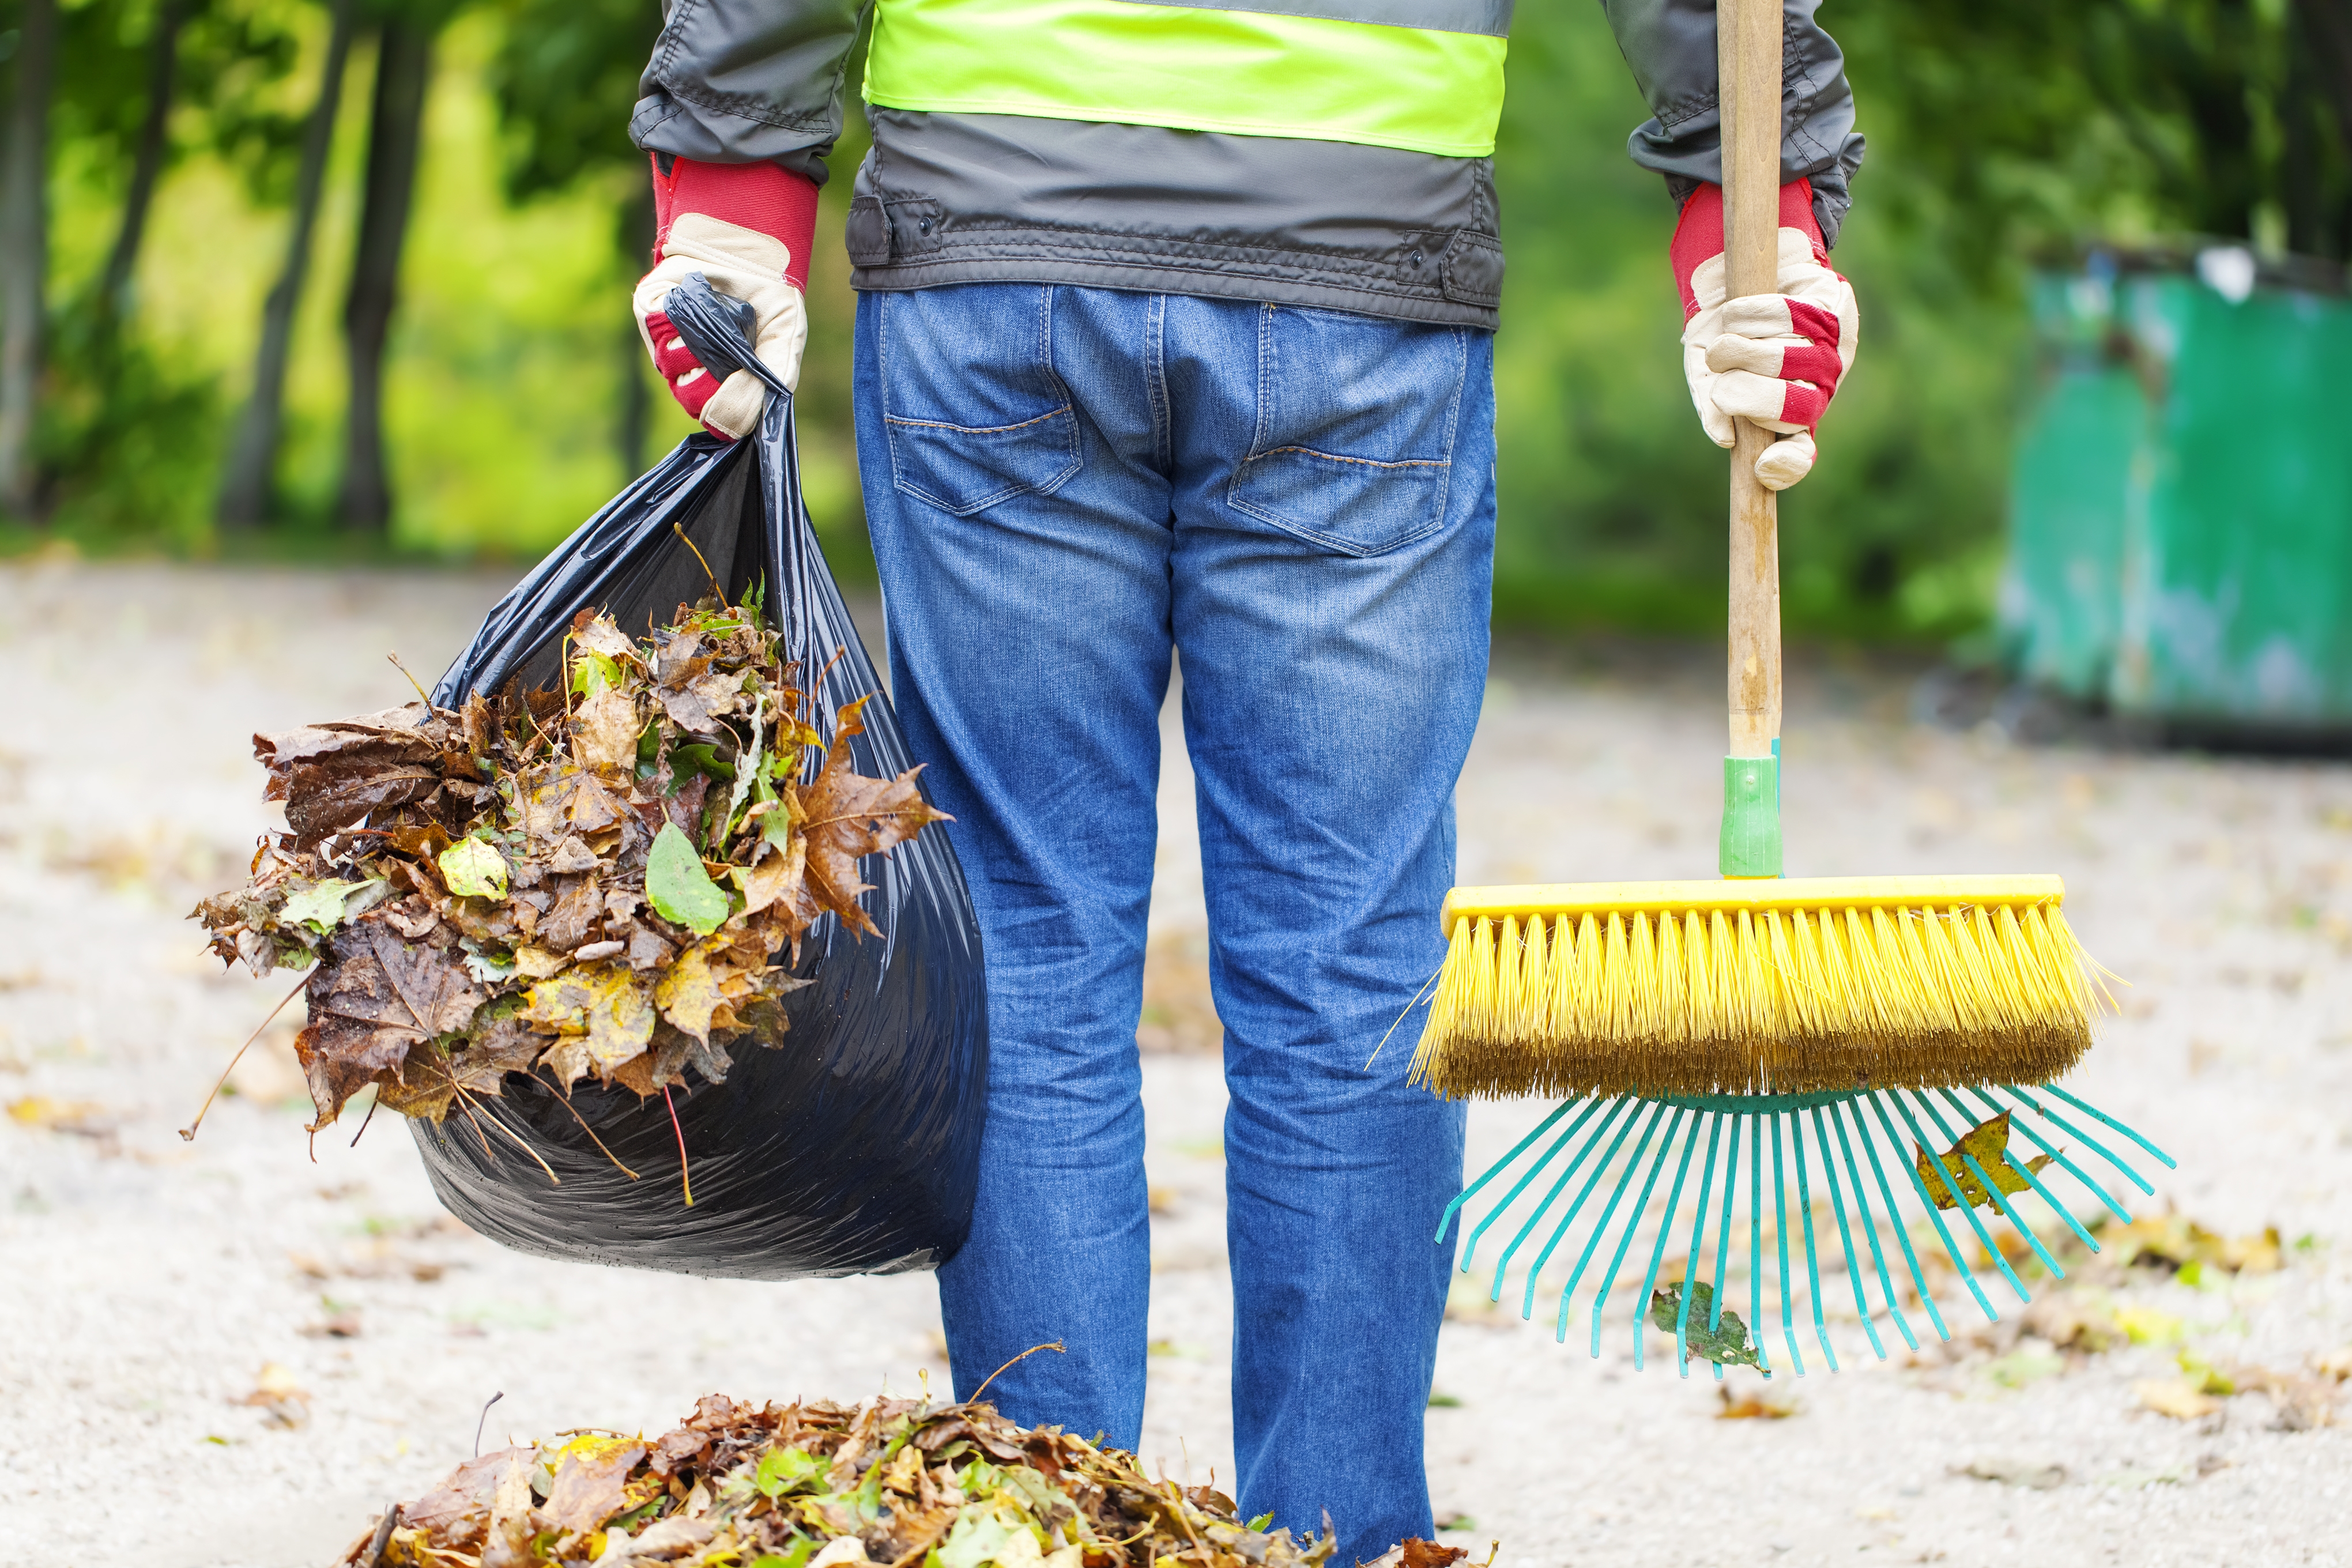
x: 2180, y: 540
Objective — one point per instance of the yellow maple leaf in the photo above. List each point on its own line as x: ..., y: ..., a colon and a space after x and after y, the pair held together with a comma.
x: 1988, y: 1141
x: 689, y: 991
x: 604, y: 1002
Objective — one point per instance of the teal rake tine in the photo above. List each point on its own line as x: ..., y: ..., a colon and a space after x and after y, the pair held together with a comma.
x: 1699, y: 1234
x: 1471, y: 1247
x: 2093, y: 1144
x: 1496, y: 1169
x: 1658, y: 1253
x: 1846, y: 1235
x: 1894, y: 1222
x: 2058, y: 1155
x: 1805, y: 1206
x: 2096, y: 1114
x: 1601, y: 1225
x: 1999, y: 1202
x: 1780, y: 1238
x: 1756, y: 1243
x: 1634, y: 1222
x: 1528, y: 1307
x: 1723, y: 1240
x: 1968, y: 1210
x: 1950, y: 1246
x: 1935, y: 1217
x: 2033, y: 1181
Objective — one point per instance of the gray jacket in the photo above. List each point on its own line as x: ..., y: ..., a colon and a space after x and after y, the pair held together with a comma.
x: 962, y: 198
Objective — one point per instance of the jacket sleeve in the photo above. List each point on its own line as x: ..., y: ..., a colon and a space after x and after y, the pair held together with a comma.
x: 1670, y: 43
x: 748, y: 81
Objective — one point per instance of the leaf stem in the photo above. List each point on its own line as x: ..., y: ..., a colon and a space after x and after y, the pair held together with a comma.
x: 562, y: 1094
x: 685, y: 1176
x: 189, y: 1131
x: 1056, y: 1346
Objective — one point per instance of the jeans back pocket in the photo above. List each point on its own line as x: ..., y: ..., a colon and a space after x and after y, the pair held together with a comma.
x: 972, y: 410
x: 1356, y: 420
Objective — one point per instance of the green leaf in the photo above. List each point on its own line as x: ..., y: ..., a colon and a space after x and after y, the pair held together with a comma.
x: 679, y: 887
x: 702, y: 757
x: 794, y: 1558
x: 474, y: 869
x: 1725, y: 1344
x: 591, y: 672
x: 1259, y: 1524
x: 869, y: 1495
x: 320, y: 904
x: 783, y: 1471
x: 976, y: 1539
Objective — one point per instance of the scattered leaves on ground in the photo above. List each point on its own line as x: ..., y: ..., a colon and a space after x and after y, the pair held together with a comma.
x: 2182, y: 1398
x: 598, y: 880
x: 1761, y: 1403
x: 816, y: 1485
x: 2176, y: 1242
x: 2008, y: 1472
x: 278, y: 1396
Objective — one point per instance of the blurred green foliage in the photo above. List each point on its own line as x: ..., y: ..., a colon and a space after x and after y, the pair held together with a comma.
x: 517, y: 401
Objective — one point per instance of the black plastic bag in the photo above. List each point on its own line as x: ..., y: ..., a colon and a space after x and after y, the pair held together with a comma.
x: 852, y: 1146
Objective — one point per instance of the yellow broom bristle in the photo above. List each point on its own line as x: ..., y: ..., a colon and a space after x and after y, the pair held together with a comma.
x: 1777, y: 987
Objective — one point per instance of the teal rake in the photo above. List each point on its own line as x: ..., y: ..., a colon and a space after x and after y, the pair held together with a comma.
x: 1820, y: 1143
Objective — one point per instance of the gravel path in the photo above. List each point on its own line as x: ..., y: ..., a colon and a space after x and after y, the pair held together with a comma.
x: 224, y: 1354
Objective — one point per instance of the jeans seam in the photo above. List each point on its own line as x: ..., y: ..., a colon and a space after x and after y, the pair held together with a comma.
x: 1445, y: 462
x: 1443, y: 465
x: 975, y: 429
x: 1156, y: 383
x: 1453, y: 421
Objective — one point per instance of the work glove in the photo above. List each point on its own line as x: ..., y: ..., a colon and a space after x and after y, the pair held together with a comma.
x: 1774, y: 358
x: 747, y: 227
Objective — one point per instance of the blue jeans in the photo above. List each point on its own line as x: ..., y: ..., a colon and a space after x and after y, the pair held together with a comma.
x: 1063, y: 486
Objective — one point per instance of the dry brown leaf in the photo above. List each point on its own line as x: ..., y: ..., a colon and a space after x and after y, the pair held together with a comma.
x: 605, y: 734
x: 842, y: 815
x: 1766, y: 1404
x: 592, y: 1484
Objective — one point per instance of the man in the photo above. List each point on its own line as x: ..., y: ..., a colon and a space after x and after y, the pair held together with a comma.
x: 1174, y: 336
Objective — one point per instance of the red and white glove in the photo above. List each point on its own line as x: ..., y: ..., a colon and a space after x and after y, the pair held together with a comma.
x: 747, y: 227
x: 1774, y: 358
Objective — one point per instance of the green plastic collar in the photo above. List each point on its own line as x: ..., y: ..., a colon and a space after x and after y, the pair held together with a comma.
x: 1751, y: 817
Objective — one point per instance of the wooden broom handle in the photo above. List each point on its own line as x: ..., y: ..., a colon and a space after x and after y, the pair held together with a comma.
x: 1747, y: 56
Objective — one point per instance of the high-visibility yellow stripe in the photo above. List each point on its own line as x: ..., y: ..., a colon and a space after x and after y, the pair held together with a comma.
x: 1247, y: 72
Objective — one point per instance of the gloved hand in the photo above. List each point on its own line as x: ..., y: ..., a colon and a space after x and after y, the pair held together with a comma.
x: 1774, y: 358
x: 747, y: 227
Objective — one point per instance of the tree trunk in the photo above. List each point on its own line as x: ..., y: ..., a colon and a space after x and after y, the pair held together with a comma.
x: 147, y: 160
x: 403, y: 66
x: 247, y: 486
x: 24, y: 250
x: 2319, y: 204
x: 636, y: 237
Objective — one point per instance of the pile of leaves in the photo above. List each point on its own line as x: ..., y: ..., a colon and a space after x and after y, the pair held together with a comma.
x: 596, y: 880
x: 893, y: 1482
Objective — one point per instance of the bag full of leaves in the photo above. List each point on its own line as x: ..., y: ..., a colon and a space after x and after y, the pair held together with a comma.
x: 893, y: 1482
x: 636, y: 920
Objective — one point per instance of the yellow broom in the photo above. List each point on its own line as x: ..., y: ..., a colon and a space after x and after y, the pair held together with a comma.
x: 1758, y: 1007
